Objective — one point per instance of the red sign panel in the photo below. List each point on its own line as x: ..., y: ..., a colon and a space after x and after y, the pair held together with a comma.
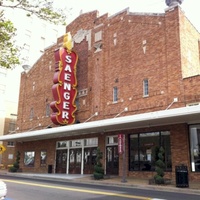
x: 120, y: 143
x: 64, y: 88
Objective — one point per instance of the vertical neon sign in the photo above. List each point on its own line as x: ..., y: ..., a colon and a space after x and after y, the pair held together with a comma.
x: 65, y: 82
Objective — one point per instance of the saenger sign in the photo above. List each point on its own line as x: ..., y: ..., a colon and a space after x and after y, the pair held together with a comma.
x: 65, y: 83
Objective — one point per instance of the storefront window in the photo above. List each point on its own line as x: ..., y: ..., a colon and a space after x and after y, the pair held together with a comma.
x: 144, y: 149
x: 29, y: 158
x: 195, y: 148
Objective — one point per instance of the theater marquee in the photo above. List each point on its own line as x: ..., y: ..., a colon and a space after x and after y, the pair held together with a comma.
x: 65, y: 83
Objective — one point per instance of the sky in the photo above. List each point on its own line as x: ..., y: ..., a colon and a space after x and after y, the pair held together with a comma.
x: 190, y: 7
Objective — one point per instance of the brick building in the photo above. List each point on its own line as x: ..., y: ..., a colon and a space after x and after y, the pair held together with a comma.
x: 138, y: 75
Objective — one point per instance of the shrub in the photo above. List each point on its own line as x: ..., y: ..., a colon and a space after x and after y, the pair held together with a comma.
x: 160, y: 165
x: 98, y: 169
x: 15, y: 166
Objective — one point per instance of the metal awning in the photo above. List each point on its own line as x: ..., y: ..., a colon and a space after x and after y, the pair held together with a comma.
x: 190, y: 115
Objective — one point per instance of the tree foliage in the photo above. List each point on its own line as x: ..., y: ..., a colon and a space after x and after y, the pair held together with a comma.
x: 8, y: 52
x: 43, y: 9
x: 15, y: 166
x: 98, y: 168
x: 160, y: 165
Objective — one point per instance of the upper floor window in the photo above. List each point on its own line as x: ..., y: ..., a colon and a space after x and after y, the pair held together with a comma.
x: 10, y: 144
x: 115, y: 94
x: 145, y: 87
x: 77, y: 103
x: 31, y: 113
x: 98, y: 36
x: 47, y: 110
x: 12, y: 125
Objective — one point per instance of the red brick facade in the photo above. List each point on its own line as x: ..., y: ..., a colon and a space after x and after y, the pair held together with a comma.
x: 159, y: 47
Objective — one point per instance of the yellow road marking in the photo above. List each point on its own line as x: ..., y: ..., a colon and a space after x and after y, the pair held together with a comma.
x: 81, y: 190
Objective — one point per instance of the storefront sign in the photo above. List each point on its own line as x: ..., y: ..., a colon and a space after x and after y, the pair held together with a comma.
x: 65, y: 82
x: 120, y: 143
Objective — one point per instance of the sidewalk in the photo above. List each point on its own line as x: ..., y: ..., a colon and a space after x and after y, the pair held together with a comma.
x: 194, y: 187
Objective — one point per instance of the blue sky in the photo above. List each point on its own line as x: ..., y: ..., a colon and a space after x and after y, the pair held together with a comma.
x: 113, y: 6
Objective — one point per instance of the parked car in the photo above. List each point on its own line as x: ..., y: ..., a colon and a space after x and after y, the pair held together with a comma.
x: 3, y: 190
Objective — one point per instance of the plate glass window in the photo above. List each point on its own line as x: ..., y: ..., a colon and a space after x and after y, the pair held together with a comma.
x: 195, y: 147
x: 144, y: 148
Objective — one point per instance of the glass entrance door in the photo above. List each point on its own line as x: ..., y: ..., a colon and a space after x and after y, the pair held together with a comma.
x: 112, y: 160
x: 90, y: 155
x: 75, y: 157
x: 61, y: 161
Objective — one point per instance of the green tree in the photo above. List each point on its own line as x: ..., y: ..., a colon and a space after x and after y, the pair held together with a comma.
x: 15, y: 166
x: 98, y: 169
x: 43, y: 9
x: 160, y: 165
x: 9, y: 53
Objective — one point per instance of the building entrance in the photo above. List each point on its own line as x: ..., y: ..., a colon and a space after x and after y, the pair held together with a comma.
x: 112, y: 160
x: 75, y: 158
x: 90, y: 155
x: 61, y: 161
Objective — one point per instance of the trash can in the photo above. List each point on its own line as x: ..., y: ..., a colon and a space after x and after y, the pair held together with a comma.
x: 50, y: 169
x: 182, y: 176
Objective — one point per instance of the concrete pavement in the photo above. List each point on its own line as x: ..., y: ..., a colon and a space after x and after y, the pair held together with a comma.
x: 194, y: 187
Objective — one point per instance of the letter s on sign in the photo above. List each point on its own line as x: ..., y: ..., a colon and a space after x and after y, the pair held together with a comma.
x: 68, y: 59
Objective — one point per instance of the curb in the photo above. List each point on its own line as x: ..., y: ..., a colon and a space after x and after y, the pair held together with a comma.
x: 115, y: 182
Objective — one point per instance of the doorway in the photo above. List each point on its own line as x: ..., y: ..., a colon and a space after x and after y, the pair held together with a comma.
x: 61, y: 161
x: 75, y: 158
x: 112, y: 160
x: 90, y: 155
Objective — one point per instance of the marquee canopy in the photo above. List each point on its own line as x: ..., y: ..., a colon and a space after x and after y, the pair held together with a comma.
x: 189, y: 114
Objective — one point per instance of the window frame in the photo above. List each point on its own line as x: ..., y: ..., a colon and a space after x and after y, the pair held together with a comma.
x: 31, y: 155
x: 115, y: 94
x: 145, y: 153
x: 48, y: 110
x: 31, y: 114
x: 194, y: 149
x: 146, y: 87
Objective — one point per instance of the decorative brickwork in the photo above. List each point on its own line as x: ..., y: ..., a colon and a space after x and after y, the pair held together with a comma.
x: 131, y: 47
